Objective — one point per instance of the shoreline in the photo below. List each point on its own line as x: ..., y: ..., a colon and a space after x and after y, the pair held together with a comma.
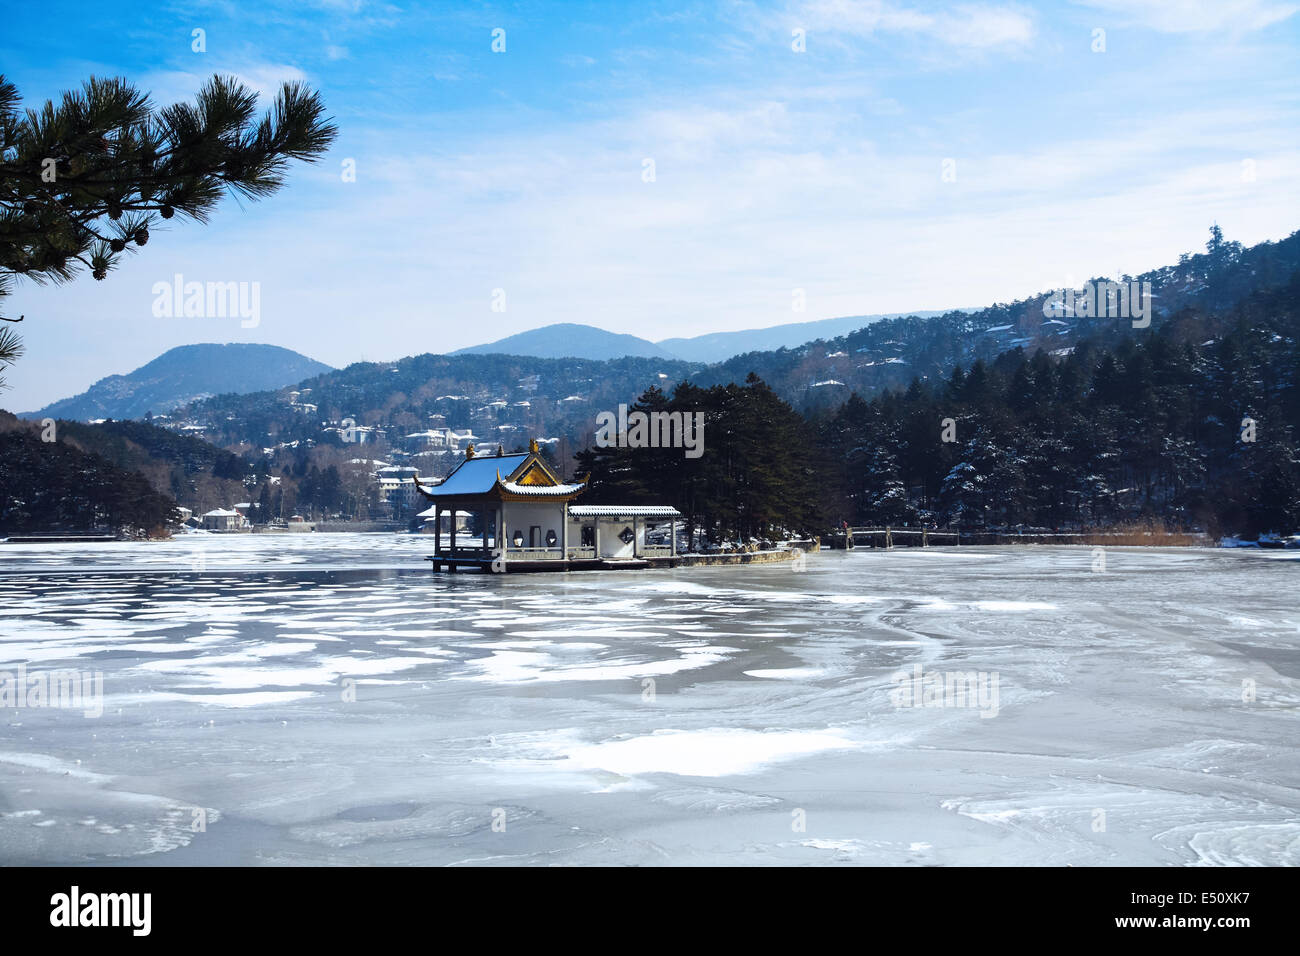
x: 873, y: 539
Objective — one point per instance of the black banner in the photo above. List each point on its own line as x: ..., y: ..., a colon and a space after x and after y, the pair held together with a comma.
x: 944, y: 905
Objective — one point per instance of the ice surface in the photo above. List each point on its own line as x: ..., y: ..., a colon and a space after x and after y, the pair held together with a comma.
x: 327, y: 699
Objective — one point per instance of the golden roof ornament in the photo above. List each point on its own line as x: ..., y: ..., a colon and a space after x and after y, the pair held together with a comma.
x: 469, y: 451
x: 532, y: 446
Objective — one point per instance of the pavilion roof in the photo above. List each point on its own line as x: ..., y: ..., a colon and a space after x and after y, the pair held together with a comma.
x: 475, y: 476
x: 501, y: 477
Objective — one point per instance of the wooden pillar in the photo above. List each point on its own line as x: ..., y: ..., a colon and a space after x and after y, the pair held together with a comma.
x: 672, y: 535
x: 635, y: 538
x: 451, y: 545
x: 500, y: 538
x: 564, y: 531
x: 437, y: 529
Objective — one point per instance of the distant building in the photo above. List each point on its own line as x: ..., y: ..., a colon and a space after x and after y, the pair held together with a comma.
x: 398, y: 487
x: 353, y: 434
x: 220, y: 519
x: 439, y: 439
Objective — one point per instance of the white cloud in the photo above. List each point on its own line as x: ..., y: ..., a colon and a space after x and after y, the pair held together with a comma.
x: 970, y: 26
x: 1197, y: 16
x: 750, y: 202
x: 174, y: 86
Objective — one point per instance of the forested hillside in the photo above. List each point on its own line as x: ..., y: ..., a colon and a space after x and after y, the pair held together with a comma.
x: 1193, y: 427
x: 563, y: 396
x: 892, y: 352
x: 194, y: 472
x: 56, y: 486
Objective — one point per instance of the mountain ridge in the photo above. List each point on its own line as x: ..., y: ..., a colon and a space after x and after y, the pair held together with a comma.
x: 719, y: 346
x: 183, y: 375
x: 585, y: 341
x: 569, y: 340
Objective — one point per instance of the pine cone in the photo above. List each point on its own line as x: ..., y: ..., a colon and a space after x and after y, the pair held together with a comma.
x: 117, y: 245
x: 167, y: 212
x: 100, y: 272
x: 141, y: 236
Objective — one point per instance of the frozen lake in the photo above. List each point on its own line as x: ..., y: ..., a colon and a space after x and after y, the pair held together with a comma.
x: 307, y: 699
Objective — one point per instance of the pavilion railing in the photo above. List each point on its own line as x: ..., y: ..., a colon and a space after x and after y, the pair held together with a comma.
x: 464, y: 552
x: 535, y: 554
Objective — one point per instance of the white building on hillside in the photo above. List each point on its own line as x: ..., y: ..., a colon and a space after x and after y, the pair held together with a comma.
x: 219, y: 519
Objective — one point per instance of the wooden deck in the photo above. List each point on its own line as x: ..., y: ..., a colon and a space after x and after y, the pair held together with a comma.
x: 888, y: 537
x: 524, y: 565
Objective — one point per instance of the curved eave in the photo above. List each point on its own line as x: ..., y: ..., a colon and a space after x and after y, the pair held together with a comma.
x: 508, y: 491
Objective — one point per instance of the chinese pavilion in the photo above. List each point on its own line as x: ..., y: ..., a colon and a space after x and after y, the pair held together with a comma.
x: 521, y: 520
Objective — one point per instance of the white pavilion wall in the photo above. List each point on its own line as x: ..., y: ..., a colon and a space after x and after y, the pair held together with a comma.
x: 545, y: 515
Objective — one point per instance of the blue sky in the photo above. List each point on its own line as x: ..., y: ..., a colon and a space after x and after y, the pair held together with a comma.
x: 774, y: 169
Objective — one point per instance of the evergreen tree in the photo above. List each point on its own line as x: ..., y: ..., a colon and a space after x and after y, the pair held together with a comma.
x: 83, y: 180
